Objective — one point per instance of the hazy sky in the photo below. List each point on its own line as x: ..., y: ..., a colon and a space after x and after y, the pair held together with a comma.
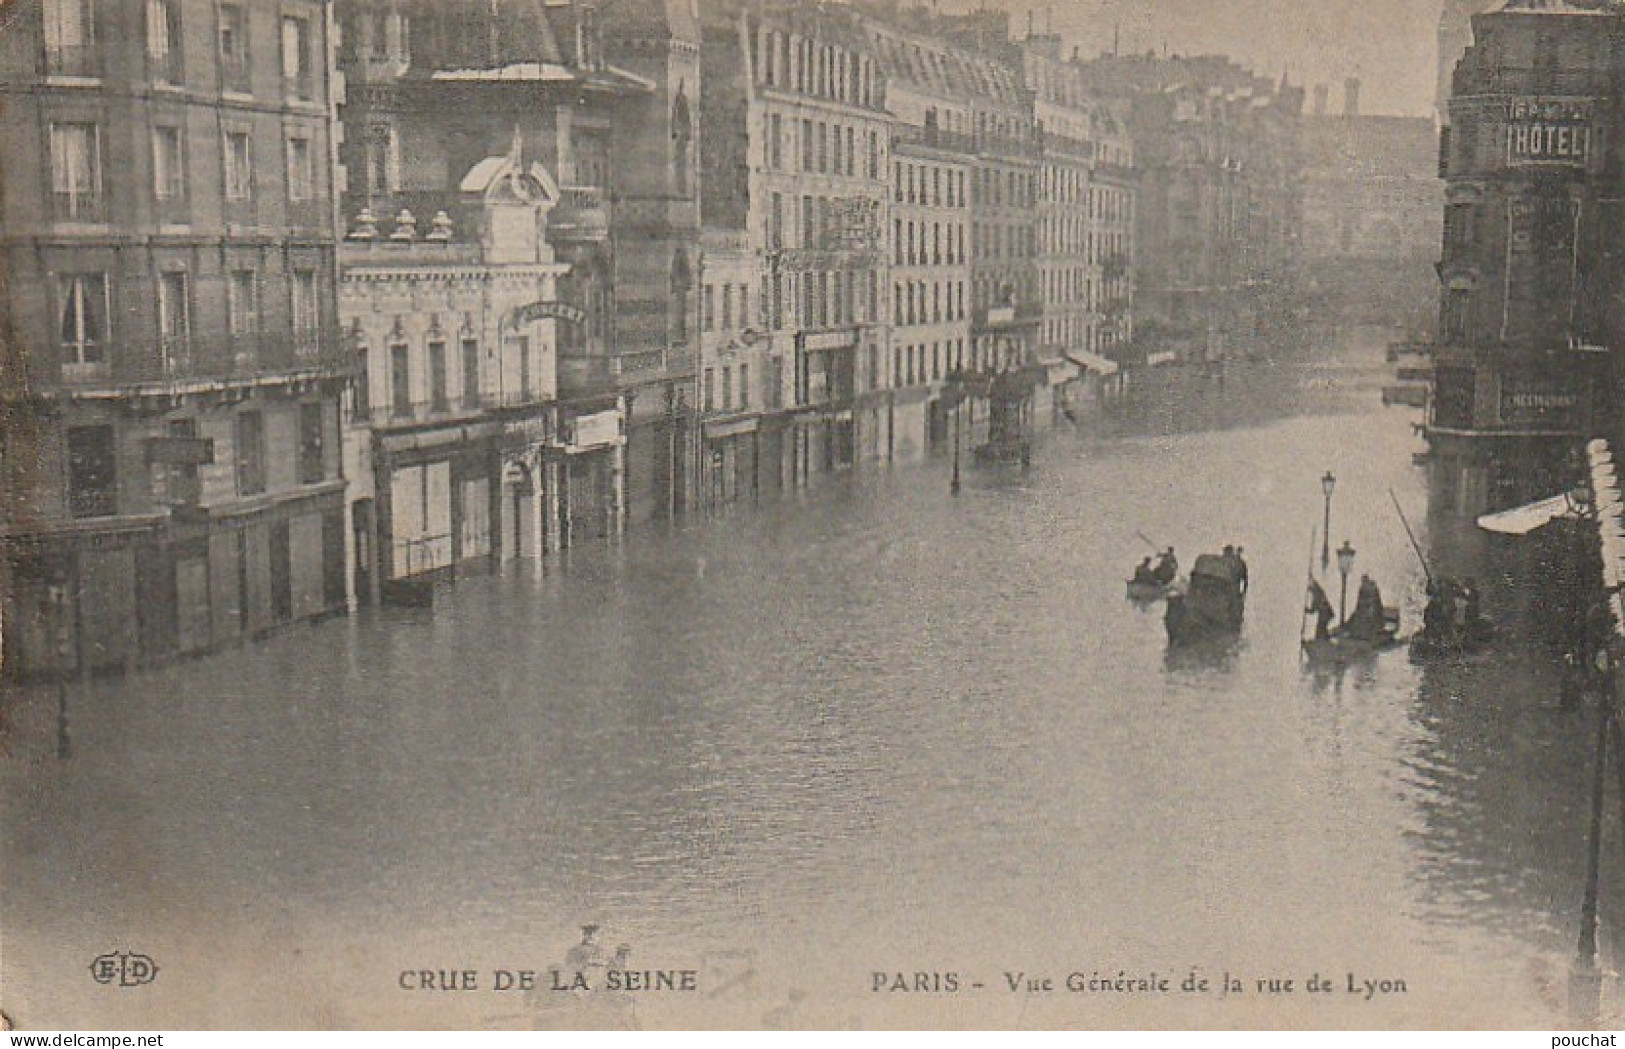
x: 1389, y: 44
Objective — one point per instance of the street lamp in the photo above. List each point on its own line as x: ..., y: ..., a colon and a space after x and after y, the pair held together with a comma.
x: 1345, y: 563
x: 1328, y: 484
x: 953, y: 485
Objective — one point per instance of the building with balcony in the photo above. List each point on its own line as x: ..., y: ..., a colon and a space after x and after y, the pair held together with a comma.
x: 797, y: 155
x: 170, y: 348
x: 1218, y: 202
x: 733, y: 370
x: 463, y: 458
x: 1529, y: 274
x: 594, y: 91
x: 1085, y: 251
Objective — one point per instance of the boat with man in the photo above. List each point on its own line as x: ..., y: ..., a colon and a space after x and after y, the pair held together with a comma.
x: 1212, y: 602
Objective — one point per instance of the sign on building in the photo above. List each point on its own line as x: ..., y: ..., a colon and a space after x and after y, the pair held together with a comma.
x: 595, y: 431
x: 1549, y: 131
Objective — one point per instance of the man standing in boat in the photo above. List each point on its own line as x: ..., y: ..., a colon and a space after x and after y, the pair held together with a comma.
x: 1167, y: 567
x: 1321, y: 606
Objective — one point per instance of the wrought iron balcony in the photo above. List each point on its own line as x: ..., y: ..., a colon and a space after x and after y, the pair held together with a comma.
x: 173, y: 361
x: 83, y: 60
x: 583, y: 213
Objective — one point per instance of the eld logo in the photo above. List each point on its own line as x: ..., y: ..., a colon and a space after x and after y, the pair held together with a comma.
x: 124, y: 969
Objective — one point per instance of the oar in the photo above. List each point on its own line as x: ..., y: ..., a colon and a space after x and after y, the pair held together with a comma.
x: 1154, y: 547
x: 1412, y: 537
x: 1303, y: 620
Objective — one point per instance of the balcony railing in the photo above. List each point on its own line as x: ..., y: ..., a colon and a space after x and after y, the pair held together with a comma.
x: 582, y: 211
x: 445, y: 409
x: 89, y: 206
x: 234, y: 73
x: 578, y: 374
x: 177, y: 360
x: 167, y: 68
x: 73, y: 60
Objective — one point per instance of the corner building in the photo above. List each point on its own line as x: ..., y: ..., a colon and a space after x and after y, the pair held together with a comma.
x: 1528, y: 270
x: 168, y: 331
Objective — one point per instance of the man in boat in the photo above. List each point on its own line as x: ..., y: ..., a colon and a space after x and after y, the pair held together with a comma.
x: 1167, y: 567
x: 1241, y: 568
x: 1366, y: 624
x: 1145, y: 574
x: 587, y: 954
x: 1321, y: 606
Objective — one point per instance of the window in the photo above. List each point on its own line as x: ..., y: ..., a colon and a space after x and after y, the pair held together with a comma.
x: 174, y: 318
x: 168, y: 164
x: 301, y: 169
x: 242, y: 302
x: 806, y: 145
x: 295, y: 57
x: 744, y: 387
x: 305, y: 311
x: 92, y: 472
x: 400, y: 380
x: 471, y: 373
x: 521, y: 347
x: 775, y: 135
x: 76, y: 171
x: 744, y: 305
x: 239, y: 166
x: 706, y: 403
x: 312, y: 444
x: 437, y: 375
x: 70, y: 38
x: 164, y: 41
x: 250, y: 453
x: 83, y: 327
x: 727, y: 388
x: 775, y: 223
x: 727, y: 307
x: 708, y: 304
x: 234, y: 46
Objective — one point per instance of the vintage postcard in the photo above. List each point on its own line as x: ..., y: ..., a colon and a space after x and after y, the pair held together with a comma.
x: 780, y: 514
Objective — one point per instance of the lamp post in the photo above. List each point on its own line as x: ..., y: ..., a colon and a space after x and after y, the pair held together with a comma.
x: 1345, y: 563
x: 953, y: 485
x: 1328, y: 484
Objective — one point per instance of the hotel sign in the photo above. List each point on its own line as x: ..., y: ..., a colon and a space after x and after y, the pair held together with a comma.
x: 1550, y: 131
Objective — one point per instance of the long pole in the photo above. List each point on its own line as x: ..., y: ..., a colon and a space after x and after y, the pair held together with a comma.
x: 953, y: 486
x: 1326, y: 535
x: 1303, y: 620
x: 1585, y: 982
x: 1412, y: 537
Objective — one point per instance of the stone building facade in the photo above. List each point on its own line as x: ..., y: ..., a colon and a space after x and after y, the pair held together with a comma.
x: 172, y: 360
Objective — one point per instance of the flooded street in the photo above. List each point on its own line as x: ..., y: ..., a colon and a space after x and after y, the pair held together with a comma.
x: 873, y: 730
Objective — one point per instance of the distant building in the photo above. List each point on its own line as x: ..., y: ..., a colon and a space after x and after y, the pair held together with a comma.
x: 1218, y: 211
x: 171, y: 358
x: 1372, y: 218
x: 797, y: 155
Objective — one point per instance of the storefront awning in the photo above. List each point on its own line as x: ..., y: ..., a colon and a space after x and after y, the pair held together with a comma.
x: 1525, y: 519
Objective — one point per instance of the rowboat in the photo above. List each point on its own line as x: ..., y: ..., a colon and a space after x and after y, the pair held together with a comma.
x: 1340, y: 650
x: 1139, y: 590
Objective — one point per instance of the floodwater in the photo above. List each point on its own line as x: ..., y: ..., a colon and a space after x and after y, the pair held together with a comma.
x: 810, y: 747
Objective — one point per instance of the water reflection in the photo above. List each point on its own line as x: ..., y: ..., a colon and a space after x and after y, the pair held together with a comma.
x: 877, y: 728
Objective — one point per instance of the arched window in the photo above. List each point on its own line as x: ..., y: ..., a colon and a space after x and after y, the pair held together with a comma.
x: 682, y: 134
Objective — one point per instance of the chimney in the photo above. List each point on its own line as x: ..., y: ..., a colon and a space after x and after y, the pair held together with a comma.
x: 1322, y: 93
x: 1351, y: 97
